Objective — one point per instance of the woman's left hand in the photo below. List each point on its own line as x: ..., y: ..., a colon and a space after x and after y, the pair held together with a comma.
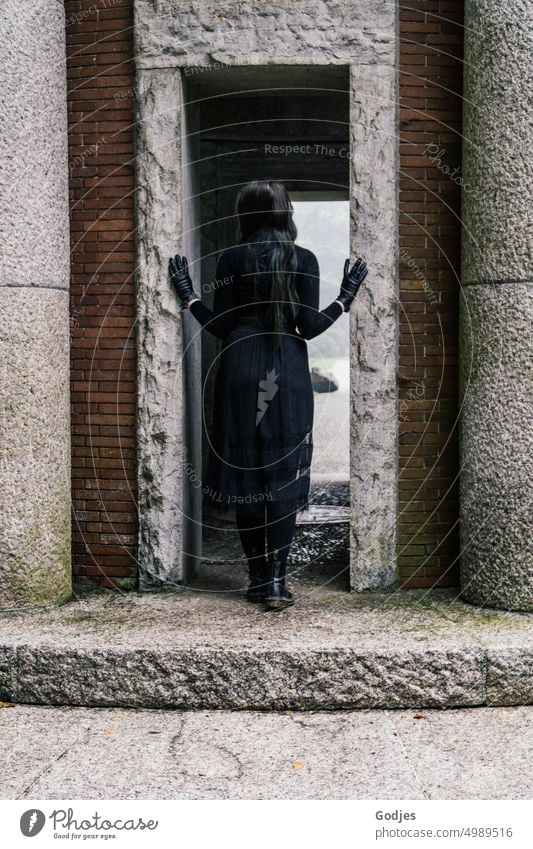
x: 178, y: 270
x: 351, y: 282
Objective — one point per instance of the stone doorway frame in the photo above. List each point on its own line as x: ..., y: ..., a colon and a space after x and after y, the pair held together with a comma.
x: 364, y: 30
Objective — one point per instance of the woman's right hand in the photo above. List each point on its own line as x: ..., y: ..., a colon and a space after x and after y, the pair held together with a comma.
x: 351, y: 282
x: 178, y: 271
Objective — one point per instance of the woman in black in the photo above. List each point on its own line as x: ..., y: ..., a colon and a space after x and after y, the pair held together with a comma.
x: 266, y: 304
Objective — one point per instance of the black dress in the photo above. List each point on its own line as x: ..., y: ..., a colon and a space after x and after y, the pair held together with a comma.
x: 260, y: 442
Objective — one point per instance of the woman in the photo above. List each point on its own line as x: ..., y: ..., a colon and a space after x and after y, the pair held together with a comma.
x: 266, y: 304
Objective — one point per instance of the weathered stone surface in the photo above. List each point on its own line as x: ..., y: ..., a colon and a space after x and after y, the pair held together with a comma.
x: 159, y: 323
x: 481, y: 753
x: 195, y: 649
x: 115, y: 753
x: 34, y: 309
x: 33, y: 145
x: 8, y: 685
x: 510, y: 676
x: 49, y: 736
x: 174, y: 34
x: 374, y: 322
x: 497, y: 132
x: 35, y: 524
x: 496, y: 446
x: 244, y: 679
x: 496, y: 308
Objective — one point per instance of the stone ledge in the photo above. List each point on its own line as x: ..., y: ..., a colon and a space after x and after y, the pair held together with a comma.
x: 195, y: 649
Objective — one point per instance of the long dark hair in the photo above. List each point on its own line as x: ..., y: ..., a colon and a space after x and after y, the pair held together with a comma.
x: 265, y: 216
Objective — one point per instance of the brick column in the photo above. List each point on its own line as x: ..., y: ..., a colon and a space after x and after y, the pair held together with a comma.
x: 35, y: 531
x: 496, y: 308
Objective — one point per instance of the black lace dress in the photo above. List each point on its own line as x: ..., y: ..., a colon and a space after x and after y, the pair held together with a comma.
x: 261, y: 441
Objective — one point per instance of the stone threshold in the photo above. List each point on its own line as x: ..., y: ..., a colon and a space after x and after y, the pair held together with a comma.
x: 208, y: 648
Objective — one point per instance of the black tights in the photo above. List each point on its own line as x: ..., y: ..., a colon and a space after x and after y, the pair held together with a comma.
x: 262, y: 536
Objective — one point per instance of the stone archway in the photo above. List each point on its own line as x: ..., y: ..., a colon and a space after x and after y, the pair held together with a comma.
x: 173, y: 42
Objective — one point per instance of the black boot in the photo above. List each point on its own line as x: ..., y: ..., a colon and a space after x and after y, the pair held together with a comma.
x: 257, y: 573
x: 278, y: 596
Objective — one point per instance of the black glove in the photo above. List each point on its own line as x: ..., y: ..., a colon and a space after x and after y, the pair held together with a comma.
x: 180, y: 279
x: 351, y: 281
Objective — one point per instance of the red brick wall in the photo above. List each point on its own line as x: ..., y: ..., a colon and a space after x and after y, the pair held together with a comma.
x: 431, y: 41
x: 101, y: 79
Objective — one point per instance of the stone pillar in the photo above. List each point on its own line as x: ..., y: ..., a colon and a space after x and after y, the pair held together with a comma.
x: 160, y: 434
x: 496, y: 309
x: 374, y: 326
x: 35, y: 529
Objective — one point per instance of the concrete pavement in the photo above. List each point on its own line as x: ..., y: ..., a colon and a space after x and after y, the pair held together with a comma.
x: 113, y: 753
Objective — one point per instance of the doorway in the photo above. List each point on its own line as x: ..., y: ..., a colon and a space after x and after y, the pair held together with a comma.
x: 347, y: 91
x: 323, y: 223
x: 290, y: 124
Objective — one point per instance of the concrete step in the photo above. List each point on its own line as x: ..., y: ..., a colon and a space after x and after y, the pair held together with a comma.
x: 208, y: 648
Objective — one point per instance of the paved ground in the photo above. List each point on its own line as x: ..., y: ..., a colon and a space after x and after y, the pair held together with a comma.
x: 99, y: 753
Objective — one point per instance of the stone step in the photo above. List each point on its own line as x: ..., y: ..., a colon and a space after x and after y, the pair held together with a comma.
x: 208, y: 648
